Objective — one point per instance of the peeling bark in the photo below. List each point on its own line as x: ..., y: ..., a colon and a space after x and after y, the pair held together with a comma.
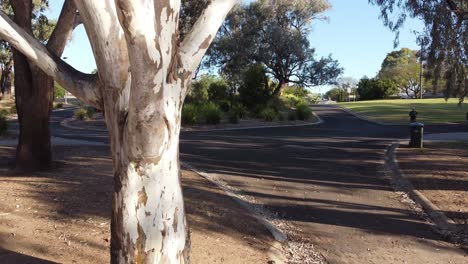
x: 144, y: 74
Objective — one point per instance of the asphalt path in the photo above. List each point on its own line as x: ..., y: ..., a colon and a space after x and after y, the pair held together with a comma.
x: 323, y: 179
x: 326, y: 181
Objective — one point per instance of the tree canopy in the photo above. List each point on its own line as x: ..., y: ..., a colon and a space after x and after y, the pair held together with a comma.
x: 274, y: 33
x: 402, y: 67
x: 444, y: 38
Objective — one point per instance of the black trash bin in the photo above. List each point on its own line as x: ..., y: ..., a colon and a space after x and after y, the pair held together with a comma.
x: 416, y: 135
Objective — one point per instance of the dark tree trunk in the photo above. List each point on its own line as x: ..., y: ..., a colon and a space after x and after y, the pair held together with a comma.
x: 279, y: 88
x: 34, y: 90
x: 5, y: 80
x: 33, y: 103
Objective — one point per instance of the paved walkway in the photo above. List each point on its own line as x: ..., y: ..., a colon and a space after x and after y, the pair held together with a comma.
x: 326, y: 181
x: 323, y: 179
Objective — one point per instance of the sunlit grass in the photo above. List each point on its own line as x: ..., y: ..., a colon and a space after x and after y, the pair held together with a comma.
x: 429, y: 110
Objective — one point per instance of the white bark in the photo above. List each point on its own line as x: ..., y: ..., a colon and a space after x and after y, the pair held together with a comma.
x: 144, y: 74
x: 81, y: 85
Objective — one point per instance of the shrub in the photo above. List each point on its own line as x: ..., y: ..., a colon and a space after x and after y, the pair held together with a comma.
x: 90, y: 111
x: 218, y: 89
x: 291, y: 100
x: 240, y: 110
x: 233, y: 117
x: 212, y: 113
x: 81, y: 113
x: 3, y: 124
x: 13, y: 110
x: 190, y: 114
x: 268, y: 114
x: 58, y: 105
x: 303, y: 112
x: 59, y: 92
x: 254, y: 89
x: 292, y: 116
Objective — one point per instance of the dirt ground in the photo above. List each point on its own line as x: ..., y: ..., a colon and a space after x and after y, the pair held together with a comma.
x: 440, y: 172
x: 63, y: 215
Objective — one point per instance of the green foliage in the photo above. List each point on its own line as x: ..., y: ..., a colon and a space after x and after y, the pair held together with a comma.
x: 193, y: 113
x: 314, y: 98
x: 4, y: 112
x: 274, y: 34
x: 336, y: 94
x: 210, y: 88
x: 199, y: 92
x: 255, y: 89
x: 57, y: 105
x: 294, y: 95
x: 239, y: 110
x: 13, y: 110
x: 298, y: 91
x: 218, y: 90
x: 403, y: 68
x: 292, y: 100
x: 268, y: 114
x: 190, y: 114
x: 443, y: 39
x: 59, y: 91
x: 303, y: 112
x: 375, y: 89
x: 85, y: 113
x: 80, y: 114
x: 396, y: 110
x: 3, y: 124
x: 211, y: 113
x: 90, y: 111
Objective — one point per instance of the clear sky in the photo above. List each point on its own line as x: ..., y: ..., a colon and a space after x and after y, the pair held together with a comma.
x: 354, y: 35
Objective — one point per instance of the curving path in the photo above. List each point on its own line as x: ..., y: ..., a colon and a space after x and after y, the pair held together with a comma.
x: 323, y: 179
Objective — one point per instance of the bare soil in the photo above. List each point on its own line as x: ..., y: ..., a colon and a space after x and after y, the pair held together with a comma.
x: 63, y: 215
x: 439, y: 171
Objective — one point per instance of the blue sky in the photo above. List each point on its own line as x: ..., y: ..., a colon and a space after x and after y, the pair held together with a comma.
x: 354, y: 35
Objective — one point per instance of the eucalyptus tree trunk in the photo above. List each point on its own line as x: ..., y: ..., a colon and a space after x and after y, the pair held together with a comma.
x: 144, y: 71
x: 34, y: 90
x: 5, y: 80
x: 279, y: 88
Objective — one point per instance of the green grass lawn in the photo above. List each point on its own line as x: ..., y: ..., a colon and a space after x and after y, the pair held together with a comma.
x: 396, y: 111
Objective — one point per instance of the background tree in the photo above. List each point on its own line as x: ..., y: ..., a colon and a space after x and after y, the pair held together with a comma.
x: 403, y: 68
x: 444, y: 38
x: 33, y: 88
x: 274, y: 33
x: 336, y: 94
x: 6, y: 68
x: 145, y: 69
x: 376, y: 89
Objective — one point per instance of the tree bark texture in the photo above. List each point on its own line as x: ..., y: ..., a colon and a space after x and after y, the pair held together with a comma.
x: 279, y: 88
x: 34, y: 90
x: 5, y: 80
x: 144, y: 74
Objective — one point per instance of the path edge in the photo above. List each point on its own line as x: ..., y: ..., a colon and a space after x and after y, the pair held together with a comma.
x: 66, y: 123
x: 445, y: 225
x: 274, y: 253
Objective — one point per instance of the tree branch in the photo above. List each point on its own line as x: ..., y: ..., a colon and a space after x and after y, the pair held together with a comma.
x: 64, y: 28
x: 82, y: 85
x: 198, y: 40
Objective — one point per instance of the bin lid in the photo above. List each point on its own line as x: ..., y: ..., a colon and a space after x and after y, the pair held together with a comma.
x: 416, y: 124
